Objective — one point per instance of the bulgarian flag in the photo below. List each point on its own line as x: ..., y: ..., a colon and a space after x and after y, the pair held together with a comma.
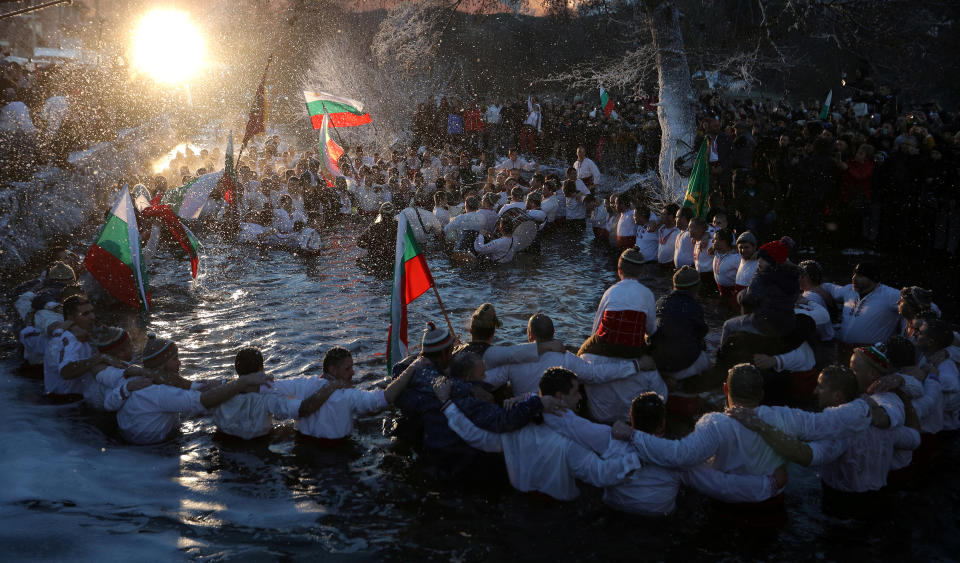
x: 115, y: 261
x: 343, y: 112
x: 179, y: 231
x: 330, y: 153
x: 411, y: 279
x: 606, y: 104
x: 187, y: 200
x: 698, y: 188
x: 825, y: 110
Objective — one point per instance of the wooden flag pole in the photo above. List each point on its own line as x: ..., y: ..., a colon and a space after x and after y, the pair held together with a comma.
x: 442, y: 308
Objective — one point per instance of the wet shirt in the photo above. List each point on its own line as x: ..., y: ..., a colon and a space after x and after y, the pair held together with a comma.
x: 152, y: 414
x: 525, y: 377
x: 251, y: 415
x: 63, y: 349
x: 335, y: 419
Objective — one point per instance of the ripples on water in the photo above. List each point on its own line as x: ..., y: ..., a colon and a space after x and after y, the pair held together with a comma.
x: 73, y: 490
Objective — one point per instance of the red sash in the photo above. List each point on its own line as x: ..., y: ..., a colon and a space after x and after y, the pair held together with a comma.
x: 627, y: 328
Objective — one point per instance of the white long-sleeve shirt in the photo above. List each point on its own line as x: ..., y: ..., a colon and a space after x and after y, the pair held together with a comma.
x: 725, y: 266
x: 540, y: 459
x: 335, y: 419
x: 949, y: 379
x: 702, y: 258
x: 652, y: 490
x: 800, y: 358
x: 732, y: 448
x: 105, y: 381
x: 648, y: 243
x: 683, y: 250
x: 667, y: 241
x: 626, y: 225
x: 867, y: 320
x: 470, y: 221
x: 587, y: 168
x: 610, y: 401
x: 251, y: 415
x: 63, y: 349
x: 820, y: 316
x: 746, y: 270
x: 525, y: 377
x: 151, y: 414
x: 501, y: 250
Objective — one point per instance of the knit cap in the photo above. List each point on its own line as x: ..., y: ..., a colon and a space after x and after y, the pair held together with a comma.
x: 156, y: 350
x: 875, y: 356
x: 109, y: 338
x: 485, y: 317
x: 686, y: 277
x: 436, y: 339
x: 632, y: 255
x: 747, y: 236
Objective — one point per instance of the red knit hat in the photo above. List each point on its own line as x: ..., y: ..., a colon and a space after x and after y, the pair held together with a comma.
x: 777, y: 251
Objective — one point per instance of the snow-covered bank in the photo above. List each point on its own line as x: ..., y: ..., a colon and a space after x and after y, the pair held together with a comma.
x: 56, y: 202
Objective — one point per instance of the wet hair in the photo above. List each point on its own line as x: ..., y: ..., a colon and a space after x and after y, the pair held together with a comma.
x: 462, y: 363
x: 248, y: 360
x: 556, y: 380
x: 72, y: 304
x: 744, y: 381
x: 491, y: 199
x: 334, y: 357
x: 812, y: 270
x: 541, y: 327
x: 901, y: 351
x: 472, y: 203
x: 936, y: 330
x: 439, y: 197
x: 840, y: 378
x: 538, y: 176
x: 647, y: 412
x: 685, y: 212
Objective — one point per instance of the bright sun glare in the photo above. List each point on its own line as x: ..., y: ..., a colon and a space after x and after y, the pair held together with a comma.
x: 168, y: 46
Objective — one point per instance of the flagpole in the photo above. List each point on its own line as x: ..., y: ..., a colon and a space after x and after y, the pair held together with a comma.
x: 444, y: 310
x: 325, y: 112
x: 263, y: 80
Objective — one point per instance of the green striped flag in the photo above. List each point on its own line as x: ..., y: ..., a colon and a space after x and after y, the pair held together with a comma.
x: 344, y: 112
x: 115, y: 261
x: 698, y: 188
x: 411, y: 279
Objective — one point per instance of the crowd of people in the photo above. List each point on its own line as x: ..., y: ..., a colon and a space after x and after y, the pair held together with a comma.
x: 859, y: 379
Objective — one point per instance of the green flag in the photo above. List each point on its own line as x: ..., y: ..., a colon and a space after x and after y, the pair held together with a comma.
x: 825, y: 110
x: 698, y: 188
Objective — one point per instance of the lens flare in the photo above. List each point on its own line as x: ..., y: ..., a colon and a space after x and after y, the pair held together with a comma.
x: 168, y: 46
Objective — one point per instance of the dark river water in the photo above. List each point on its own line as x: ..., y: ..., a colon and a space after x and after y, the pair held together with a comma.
x: 72, y: 490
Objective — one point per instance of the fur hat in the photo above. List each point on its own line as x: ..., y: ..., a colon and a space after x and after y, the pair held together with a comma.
x: 61, y: 272
x: 485, y: 317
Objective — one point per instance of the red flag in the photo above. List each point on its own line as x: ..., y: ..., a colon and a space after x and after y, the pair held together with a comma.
x: 257, y: 122
x: 178, y: 230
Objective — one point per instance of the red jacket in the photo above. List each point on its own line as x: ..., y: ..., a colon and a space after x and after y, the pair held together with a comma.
x: 472, y: 120
x: 855, y: 180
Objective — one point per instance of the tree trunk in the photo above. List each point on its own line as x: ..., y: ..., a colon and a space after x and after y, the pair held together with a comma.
x: 676, y: 108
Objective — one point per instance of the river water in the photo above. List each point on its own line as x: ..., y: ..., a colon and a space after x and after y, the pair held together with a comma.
x: 72, y: 490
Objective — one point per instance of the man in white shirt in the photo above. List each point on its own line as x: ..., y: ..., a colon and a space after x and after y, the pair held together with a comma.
x: 251, y: 414
x: 525, y: 377
x: 516, y: 200
x: 702, y: 255
x: 667, y: 237
x: 683, y: 246
x: 538, y: 458
x: 499, y: 250
x: 514, y: 161
x: 334, y: 420
x: 647, y: 241
x: 470, y: 220
x: 115, y: 343
x: 586, y: 169
x: 726, y: 262
x: 855, y: 462
x: 152, y: 414
x: 870, y: 309
x: 69, y: 363
x: 626, y: 315
x: 747, y: 247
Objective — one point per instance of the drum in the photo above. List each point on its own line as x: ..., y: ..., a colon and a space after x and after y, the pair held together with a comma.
x: 524, y: 227
x: 463, y: 250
